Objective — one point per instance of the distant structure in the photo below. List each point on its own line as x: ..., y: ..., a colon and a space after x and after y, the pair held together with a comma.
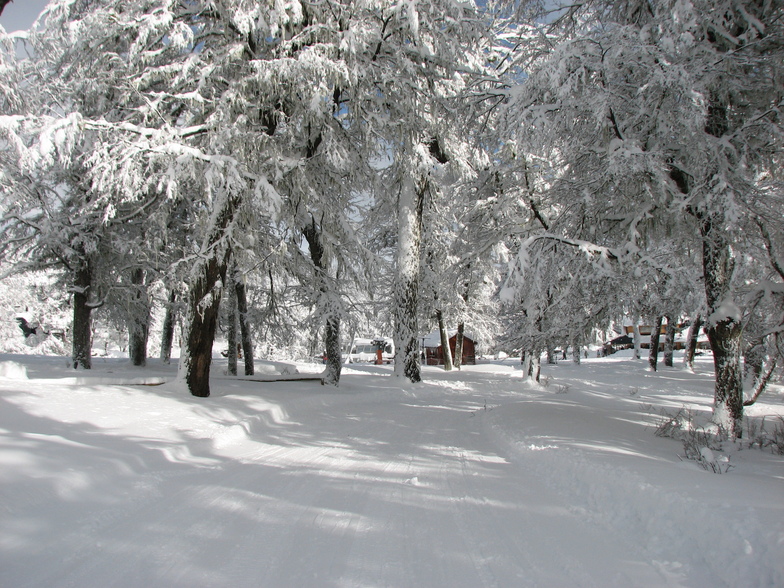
x: 434, y: 354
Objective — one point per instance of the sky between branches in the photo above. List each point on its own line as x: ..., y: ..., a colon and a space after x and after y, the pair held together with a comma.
x: 20, y: 14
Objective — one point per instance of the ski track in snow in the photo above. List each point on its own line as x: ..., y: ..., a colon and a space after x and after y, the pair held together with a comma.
x: 469, y: 480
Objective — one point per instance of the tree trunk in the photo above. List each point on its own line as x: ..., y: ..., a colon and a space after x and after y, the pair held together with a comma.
x: 242, y: 310
x: 167, y: 336
x: 205, y: 298
x: 753, y: 361
x: 636, y: 336
x: 410, y: 206
x: 446, y: 350
x: 525, y: 361
x: 332, y: 331
x: 762, y: 383
x: 691, y: 344
x: 231, y: 328
x: 334, y: 354
x: 459, y: 337
x: 139, y: 323
x: 669, y: 342
x: 653, y: 356
x: 536, y: 366
x: 204, y: 301
x: 723, y: 326
x: 82, y: 328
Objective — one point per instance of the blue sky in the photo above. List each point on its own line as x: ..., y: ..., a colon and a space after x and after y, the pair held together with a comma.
x: 20, y: 14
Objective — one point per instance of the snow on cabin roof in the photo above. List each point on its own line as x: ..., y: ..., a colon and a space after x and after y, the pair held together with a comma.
x: 433, y: 339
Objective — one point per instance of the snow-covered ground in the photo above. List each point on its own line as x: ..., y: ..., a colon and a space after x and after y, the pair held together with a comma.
x: 469, y: 479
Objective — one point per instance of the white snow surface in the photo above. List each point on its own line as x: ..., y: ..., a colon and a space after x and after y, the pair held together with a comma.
x: 471, y: 478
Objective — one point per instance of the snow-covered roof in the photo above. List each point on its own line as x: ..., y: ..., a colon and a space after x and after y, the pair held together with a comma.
x: 433, y: 339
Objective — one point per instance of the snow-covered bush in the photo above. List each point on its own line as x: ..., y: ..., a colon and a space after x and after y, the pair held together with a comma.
x: 699, y: 442
x: 759, y: 435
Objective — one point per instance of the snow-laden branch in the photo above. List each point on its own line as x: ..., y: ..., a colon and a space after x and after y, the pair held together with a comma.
x: 180, y: 132
x: 591, y: 250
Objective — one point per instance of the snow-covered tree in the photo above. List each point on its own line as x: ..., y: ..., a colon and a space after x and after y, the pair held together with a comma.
x: 426, y: 58
x: 660, y: 114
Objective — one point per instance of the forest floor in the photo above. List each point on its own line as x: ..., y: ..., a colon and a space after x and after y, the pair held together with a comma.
x: 471, y: 478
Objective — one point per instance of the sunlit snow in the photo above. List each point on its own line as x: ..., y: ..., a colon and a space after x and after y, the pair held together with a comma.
x: 471, y: 478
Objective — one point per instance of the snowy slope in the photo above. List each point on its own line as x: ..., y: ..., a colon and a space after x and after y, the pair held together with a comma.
x: 469, y: 479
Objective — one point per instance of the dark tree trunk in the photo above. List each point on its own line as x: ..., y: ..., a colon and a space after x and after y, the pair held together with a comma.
x: 724, y: 327
x: 247, y: 341
x: 231, y: 331
x: 653, y: 356
x: 459, y: 337
x: 204, y: 301
x: 669, y: 342
x: 312, y: 234
x: 82, y: 328
x: 167, y: 336
x: 332, y: 348
x: 446, y: 350
x: 204, y: 305
x: 407, y: 344
x: 139, y: 323
x: 691, y: 343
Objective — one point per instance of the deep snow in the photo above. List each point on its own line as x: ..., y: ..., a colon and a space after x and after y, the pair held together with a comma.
x: 470, y: 478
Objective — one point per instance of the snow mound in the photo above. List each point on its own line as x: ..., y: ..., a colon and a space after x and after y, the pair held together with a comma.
x: 114, y: 381
x: 274, y: 368
x: 229, y: 435
x: 12, y: 370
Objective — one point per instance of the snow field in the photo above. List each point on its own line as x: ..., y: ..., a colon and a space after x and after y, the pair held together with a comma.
x: 471, y: 478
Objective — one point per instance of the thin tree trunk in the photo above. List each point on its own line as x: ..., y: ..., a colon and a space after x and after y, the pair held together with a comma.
x: 459, y: 337
x: 653, y: 356
x: 410, y: 205
x: 139, y: 323
x: 636, y: 335
x: 762, y: 383
x: 333, y: 350
x: 167, y: 336
x: 82, y: 329
x: 753, y: 360
x: 691, y: 344
x: 446, y: 350
x: 525, y: 361
x: 231, y: 330
x: 669, y: 342
x: 536, y: 366
x: 245, y: 333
